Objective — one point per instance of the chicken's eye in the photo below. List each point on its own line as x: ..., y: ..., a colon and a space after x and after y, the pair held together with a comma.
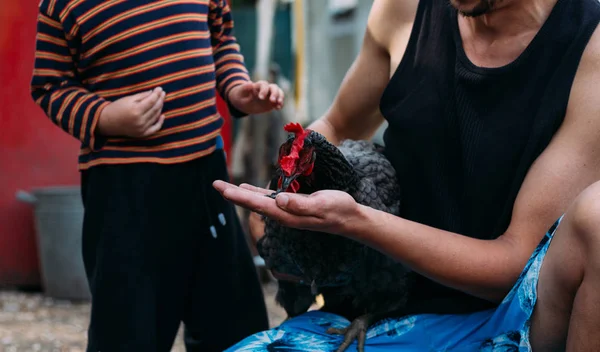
x: 306, y: 157
x: 285, y: 149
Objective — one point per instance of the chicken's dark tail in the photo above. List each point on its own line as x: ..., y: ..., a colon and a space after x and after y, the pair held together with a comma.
x: 294, y: 298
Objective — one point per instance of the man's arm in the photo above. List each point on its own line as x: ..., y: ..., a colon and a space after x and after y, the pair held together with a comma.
x: 54, y: 85
x: 355, y: 112
x: 483, y: 268
x: 488, y: 269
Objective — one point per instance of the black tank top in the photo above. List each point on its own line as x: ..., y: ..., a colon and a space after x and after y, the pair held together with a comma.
x: 462, y: 137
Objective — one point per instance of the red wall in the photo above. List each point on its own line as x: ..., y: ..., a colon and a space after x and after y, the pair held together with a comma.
x: 33, y: 152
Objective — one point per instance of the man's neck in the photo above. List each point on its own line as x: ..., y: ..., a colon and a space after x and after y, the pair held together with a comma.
x: 511, y: 17
x: 500, y: 36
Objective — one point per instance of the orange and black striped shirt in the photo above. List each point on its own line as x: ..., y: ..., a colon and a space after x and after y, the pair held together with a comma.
x: 92, y: 52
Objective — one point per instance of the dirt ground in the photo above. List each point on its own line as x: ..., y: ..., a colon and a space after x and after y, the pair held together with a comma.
x: 30, y: 322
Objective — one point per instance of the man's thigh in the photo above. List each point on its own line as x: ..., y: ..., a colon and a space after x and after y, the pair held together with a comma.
x: 568, y: 264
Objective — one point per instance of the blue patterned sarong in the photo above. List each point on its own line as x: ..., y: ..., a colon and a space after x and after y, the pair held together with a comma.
x: 505, y: 328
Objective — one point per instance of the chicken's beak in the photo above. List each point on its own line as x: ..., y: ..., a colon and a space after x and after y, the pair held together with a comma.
x: 286, y: 181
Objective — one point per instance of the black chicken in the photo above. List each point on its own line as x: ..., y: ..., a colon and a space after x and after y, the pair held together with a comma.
x: 355, y: 280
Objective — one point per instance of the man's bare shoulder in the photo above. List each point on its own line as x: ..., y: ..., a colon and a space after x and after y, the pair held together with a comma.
x: 583, y: 110
x: 388, y: 18
x: 587, y: 80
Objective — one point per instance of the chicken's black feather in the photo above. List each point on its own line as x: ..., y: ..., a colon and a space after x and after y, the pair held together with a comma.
x: 353, y: 278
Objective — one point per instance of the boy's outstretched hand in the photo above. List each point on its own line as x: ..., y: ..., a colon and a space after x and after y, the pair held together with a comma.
x: 256, y: 97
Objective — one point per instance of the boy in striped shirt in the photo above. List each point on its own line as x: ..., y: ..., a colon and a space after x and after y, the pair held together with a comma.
x: 135, y: 81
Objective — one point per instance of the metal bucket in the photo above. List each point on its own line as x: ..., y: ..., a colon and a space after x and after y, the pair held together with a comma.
x: 58, y: 221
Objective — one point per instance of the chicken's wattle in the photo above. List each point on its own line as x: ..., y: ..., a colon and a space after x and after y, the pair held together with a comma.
x: 294, y: 185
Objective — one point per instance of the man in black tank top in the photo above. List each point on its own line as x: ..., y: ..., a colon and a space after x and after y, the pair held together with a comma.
x: 494, y: 129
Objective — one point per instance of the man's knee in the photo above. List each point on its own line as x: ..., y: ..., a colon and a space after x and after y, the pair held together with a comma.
x: 585, y: 215
x: 584, y: 221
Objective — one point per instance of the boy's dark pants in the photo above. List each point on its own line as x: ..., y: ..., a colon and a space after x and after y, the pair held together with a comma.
x: 152, y: 261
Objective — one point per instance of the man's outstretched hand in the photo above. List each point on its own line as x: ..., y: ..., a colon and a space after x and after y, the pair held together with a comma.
x: 325, y: 211
x: 256, y: 98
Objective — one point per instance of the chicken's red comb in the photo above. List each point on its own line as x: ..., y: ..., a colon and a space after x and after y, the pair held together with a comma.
x: 295, y: 128
x: 288, y: 162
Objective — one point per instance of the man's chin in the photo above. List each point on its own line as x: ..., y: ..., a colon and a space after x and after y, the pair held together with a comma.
x: 473, y: 9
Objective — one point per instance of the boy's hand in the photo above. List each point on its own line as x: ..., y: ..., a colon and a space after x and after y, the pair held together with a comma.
x: 137, y: 116
x: 256, y: 98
